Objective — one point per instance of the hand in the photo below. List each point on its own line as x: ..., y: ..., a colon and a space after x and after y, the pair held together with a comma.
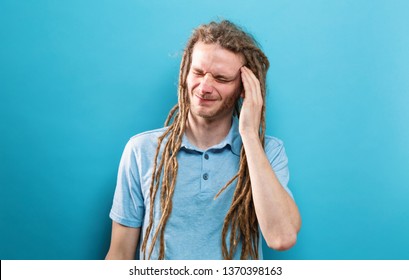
x: 250, y: 115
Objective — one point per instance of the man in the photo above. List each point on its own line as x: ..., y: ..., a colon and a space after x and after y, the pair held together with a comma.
x: 205, y: 185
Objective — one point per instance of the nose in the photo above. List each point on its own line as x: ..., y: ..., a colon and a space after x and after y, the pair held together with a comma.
x: 206, y: 85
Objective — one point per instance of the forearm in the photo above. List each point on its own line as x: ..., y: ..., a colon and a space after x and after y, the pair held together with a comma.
x: 119, y: 255
x: 124, y: 241
x: 276, y: 211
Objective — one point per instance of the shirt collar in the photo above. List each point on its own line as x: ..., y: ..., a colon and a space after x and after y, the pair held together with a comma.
x: 232, y: 140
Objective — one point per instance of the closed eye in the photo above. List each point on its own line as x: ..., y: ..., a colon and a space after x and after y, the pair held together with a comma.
x: 197, y: 72
x: 223, y: 80
x: 218, y: 78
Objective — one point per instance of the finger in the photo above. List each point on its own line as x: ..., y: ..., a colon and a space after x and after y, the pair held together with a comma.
x: 254, y: 85
x: 249, y: 87
x: 245, y: 81
x: 257, y: 87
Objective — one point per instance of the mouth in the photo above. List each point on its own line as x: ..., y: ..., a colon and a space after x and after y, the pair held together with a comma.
x: 205, y: 98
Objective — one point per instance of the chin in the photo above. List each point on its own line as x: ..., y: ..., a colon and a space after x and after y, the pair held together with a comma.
x: 202, y: 114
x: 205, y: 115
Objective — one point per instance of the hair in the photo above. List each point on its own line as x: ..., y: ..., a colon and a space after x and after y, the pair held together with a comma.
x: 241, y: 217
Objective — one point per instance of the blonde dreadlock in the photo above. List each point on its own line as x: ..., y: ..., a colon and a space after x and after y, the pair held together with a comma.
x: 241, y: 218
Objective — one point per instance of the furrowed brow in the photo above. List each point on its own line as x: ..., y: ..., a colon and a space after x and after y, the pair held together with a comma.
x: 197, y: 69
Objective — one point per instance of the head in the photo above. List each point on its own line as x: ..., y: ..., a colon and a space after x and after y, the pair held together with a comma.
x: 241, y: 48
x: 210, y: 72
x: 213, y: 82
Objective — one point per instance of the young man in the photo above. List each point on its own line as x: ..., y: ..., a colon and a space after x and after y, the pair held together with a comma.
x: 204, y: 186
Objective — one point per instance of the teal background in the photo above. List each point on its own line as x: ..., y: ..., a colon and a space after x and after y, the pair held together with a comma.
x: 79, y: 78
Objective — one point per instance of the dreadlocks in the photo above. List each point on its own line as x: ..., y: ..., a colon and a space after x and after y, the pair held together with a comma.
x: 241, y: 218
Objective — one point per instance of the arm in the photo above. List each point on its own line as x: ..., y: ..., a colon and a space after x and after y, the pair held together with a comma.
x: 124, y: 241
x: 276, y: 211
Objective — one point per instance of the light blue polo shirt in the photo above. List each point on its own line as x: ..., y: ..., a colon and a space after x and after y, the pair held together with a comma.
x: 194, y: 228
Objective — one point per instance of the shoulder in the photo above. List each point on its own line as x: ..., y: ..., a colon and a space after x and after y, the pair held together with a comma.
x: 148, y: 135
x: 145, y: 141
x: 272, y: 142
x: 274, y: 148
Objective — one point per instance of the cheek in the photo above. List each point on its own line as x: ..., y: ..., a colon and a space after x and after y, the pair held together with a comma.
x: 231, y: 100
x: 191, y: 82
x: 231, y: 92
x: 188, y: 82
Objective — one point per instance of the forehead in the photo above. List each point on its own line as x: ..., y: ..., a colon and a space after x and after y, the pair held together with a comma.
x: 214, y: 58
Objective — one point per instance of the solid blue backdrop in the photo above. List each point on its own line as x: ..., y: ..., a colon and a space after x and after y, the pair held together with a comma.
x: 79, y: 78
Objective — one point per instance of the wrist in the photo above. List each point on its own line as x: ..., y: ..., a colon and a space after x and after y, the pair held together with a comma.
x: 250, y: 137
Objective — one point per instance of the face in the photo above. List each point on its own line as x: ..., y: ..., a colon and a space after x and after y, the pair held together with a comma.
x: 214, y: 81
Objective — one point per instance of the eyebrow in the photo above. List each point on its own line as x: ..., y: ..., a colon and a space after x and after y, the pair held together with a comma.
x: 218, y: 76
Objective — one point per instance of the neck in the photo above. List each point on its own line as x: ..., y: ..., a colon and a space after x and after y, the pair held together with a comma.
x: 205, y: 133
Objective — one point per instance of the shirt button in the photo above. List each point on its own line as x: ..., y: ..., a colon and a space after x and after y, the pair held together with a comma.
x: 205, y: 176
x: 206, y: 156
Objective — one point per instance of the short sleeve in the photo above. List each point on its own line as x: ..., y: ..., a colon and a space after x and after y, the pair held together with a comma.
x: 275, y: 152
x: 128, y: 205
